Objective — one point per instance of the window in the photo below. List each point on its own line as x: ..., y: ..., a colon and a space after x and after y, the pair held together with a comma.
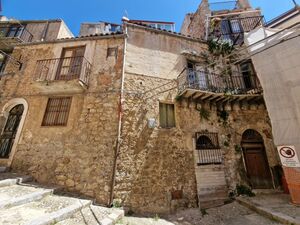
x: 57, y: 111
x: 166, y: 115
x: 112, y: 52
x: 248, y: 74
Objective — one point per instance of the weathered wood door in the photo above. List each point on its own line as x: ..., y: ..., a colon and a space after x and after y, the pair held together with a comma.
x: 10, y: 130
x: 256, y: 160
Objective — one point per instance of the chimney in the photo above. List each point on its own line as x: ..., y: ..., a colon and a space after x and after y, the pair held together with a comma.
x: 244, y: 4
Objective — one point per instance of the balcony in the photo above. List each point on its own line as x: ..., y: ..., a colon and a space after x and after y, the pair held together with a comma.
x: 207, y: 86
x: 232, y: 30
x: 10, y: 35
x: 69, y: 74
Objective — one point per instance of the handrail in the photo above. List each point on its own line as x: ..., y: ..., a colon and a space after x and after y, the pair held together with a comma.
x: 16, y: 31
x: 234, y: 83
x: 66, y: 68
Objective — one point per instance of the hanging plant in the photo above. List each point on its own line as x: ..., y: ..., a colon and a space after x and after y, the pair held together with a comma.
x: 204, y: 113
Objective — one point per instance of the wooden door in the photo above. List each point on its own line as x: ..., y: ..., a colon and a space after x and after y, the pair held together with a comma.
x: 256, y: 160
x: 70, y: 63
x: 10, y: 130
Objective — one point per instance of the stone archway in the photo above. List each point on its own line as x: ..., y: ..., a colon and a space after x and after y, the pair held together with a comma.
x: 256, y: 162
x: 12, y: 120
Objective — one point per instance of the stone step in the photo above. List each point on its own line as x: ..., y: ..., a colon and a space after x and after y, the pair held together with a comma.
x: 49, y: 210
x: 15, y: 180
x: 212, y: 203
x: 218, y: 194
x: 4, y: 169
x: 94, y: 215
x: 13, y: 195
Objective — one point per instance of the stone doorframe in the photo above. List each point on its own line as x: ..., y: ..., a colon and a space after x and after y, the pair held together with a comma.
x: 267, y: 151
x: 4, y: 113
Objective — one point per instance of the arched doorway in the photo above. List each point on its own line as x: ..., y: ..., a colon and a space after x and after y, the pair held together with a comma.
x: 10, y: 130
x: 256, y: 161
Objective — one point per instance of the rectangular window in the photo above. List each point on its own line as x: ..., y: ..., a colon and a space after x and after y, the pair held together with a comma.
x: 112, y: 52
x: 57, y: 111
x: 166, y: 115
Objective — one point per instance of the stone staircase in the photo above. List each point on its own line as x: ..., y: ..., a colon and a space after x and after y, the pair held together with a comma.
x: 24, y: 203
x: 211, y: 185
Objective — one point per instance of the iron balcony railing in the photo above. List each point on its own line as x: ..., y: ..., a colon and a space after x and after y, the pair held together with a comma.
x: 234, y: 83
x: 233, y: 29
x: 15, y: 31
x: 226, y: 5
x: 68, y: 68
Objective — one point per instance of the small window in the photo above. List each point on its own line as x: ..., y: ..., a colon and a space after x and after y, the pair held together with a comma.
x: 57, y: 111
x: 166, y: 115
x: 112, y: 52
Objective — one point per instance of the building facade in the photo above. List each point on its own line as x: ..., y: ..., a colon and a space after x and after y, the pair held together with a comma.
x: 155, y: 119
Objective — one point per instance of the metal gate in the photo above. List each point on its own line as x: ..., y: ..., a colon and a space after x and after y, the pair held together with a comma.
x: 10, y: 130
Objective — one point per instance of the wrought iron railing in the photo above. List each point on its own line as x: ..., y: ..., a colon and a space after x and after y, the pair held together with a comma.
x: 207, y: 146
x: 232, y: 29
x: 233, y: 83
x: 15, y: 31
x: 68, y: 68
x: 226, y: 5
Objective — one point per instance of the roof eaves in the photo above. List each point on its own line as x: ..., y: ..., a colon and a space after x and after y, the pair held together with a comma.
x: 165, y: 31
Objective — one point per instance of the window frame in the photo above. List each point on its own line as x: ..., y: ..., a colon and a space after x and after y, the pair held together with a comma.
x: 168, y: 126
x: 55, y: 122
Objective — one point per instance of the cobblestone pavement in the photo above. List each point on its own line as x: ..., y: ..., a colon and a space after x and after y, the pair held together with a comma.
x: 231, y: 214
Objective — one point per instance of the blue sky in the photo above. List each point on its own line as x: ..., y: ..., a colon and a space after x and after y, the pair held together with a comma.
x: 73, y: 12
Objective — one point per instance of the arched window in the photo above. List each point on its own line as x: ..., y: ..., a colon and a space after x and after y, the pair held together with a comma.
x: 10, y: 130
x: 208, y: 148
x: 204, y: 142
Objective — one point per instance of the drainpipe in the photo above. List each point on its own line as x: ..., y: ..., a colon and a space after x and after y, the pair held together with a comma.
x: 122, y: 99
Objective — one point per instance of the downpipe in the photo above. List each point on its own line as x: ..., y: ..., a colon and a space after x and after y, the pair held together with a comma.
x: 121, y: 102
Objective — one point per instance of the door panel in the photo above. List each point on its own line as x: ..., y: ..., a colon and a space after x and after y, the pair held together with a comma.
x: 256, y: 161
x: 70, y: 63
x: 10, y: 130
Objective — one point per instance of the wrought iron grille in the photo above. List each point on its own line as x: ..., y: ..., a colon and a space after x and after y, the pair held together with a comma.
x: 10, y: 130
x: 232, y: 29
x: 67, y: 68
x: 236, y: 83
x: 15, y: 31
x: 207, y: 146
x: 57, y: 111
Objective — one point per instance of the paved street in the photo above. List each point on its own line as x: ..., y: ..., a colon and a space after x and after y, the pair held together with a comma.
x: 231, y: 214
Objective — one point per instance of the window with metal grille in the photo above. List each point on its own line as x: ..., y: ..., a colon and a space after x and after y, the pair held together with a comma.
x: 57, y: 111
x: 166, y: 115
x: 209, y: 151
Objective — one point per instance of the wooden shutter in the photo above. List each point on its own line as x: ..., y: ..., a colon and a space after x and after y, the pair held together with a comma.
x: 166, y: 115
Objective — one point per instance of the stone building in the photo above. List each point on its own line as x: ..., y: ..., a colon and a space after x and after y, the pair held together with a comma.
x: 60, y: 111
x: 153, y: 118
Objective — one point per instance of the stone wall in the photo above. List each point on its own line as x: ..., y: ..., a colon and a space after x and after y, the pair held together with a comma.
x: 155, y: 163
x: 78, y: 156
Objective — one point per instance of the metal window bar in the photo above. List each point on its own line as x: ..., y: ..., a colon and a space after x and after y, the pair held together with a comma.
x: 209, y: 151
x: 15, y: 31
x: 57, y: 111
x: 233, y: 29
x: 68, y: 68
x: 202, y: 80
